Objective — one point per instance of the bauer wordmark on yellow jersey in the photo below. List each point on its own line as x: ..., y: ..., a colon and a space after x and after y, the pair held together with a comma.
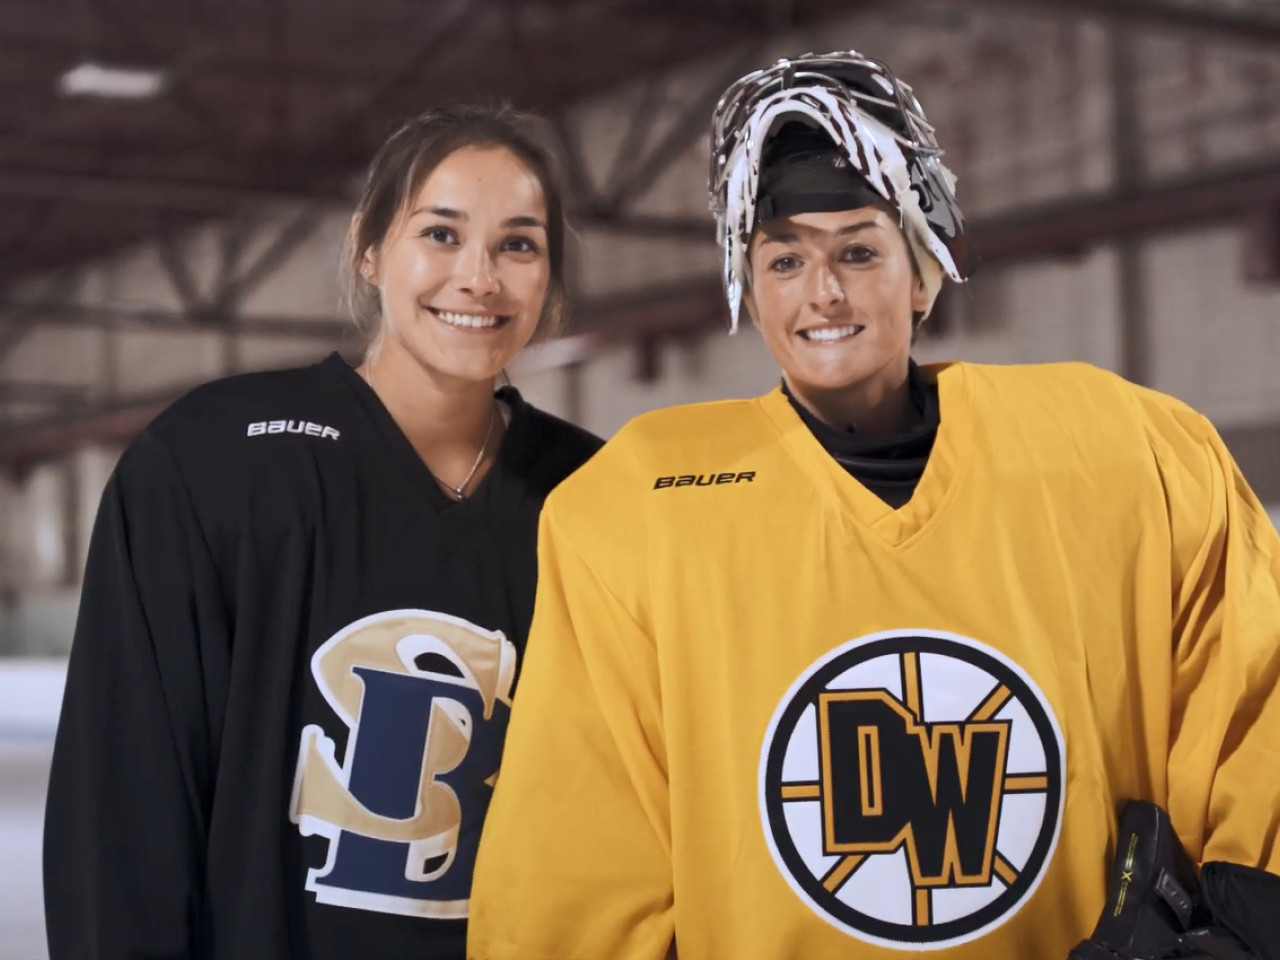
x: 911, y: 788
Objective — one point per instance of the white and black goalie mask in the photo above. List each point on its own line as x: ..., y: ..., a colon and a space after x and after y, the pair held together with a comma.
x: 878, y: 130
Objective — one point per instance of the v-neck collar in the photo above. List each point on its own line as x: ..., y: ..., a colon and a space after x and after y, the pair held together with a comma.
x: 910, y: 444
x: 514, y: 449
x: 937, y: 485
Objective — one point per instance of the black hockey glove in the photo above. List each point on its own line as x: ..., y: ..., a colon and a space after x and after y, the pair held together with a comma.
x: 1157, y: 908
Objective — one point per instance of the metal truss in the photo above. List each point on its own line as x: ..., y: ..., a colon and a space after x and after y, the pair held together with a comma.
x: 1246, y: 22
x: 218, y: 308
x: 607, y: 202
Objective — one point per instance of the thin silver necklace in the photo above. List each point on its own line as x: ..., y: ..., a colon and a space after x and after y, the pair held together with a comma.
x: 459, y: 492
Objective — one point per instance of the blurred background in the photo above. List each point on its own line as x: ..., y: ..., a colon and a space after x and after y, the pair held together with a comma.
x: 176, y: 178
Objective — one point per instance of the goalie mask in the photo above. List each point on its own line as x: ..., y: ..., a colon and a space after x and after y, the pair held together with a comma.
x: 831, y: 132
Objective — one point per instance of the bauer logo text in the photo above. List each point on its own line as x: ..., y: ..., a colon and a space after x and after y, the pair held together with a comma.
x: 703, y: 480
x: 306, y: 427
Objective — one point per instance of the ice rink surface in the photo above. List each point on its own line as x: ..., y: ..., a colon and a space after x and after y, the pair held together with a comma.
x: 30, y: 696
x: 24, y: 773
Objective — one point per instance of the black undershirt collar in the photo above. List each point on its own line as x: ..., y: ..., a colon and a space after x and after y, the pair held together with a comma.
x: 890, y: 467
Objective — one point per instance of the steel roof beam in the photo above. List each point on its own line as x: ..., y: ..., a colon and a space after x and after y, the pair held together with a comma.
x: 1197, y: 21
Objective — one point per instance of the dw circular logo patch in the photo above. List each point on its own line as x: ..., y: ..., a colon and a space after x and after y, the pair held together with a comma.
x: 911, y: 787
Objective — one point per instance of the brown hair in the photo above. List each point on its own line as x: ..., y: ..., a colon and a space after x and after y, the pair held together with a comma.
x: 408, y: 158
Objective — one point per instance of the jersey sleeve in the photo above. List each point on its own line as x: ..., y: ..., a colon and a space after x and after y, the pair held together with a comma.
x: 131, y: 779
x: 1224, y: 759
x: 575, y: 858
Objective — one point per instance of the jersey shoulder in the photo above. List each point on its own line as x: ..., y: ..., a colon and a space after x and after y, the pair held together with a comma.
x: 1057, y: 383
x: 689, y: 439
x: 1077, y: 421
x: 550, y: 449
x: 704, y: 436
x: 606, y: 511
x: 1079, y: 398
x: 566, y: 445
x: 259, y: 396
x: 241, y: 429
x: 606, y: 505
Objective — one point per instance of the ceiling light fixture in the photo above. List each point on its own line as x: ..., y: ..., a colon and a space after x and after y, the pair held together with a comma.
x: 117, y: 83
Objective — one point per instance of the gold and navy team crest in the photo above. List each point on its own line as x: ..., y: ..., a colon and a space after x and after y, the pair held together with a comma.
x: 425, y: 698
x: 912, y: 788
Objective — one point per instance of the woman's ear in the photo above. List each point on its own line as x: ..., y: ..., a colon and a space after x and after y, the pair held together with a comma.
x: 369, y: 267
x: 919, y: 294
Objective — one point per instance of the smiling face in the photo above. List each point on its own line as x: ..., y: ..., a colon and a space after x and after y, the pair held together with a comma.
x: 834, y: 295
x: 463, y: 272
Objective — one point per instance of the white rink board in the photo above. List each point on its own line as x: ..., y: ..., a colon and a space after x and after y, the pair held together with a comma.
x: 31, y: 697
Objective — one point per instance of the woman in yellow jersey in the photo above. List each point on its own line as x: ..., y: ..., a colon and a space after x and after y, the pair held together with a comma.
x: 866, y: 667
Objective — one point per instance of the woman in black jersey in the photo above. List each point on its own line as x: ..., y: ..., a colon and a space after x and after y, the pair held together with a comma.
x: 307, y: 597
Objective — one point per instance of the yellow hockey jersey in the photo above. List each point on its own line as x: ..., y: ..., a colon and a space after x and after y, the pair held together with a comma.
x: 764, y: 715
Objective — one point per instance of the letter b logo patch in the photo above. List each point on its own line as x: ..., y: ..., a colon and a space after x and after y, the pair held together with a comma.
x: 426, y: 699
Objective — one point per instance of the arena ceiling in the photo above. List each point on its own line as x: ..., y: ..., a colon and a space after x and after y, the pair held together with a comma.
x: 278, y: 98
x: 267, y: 100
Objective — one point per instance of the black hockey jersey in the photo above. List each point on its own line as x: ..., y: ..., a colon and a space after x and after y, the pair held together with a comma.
x: 290, y: 679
